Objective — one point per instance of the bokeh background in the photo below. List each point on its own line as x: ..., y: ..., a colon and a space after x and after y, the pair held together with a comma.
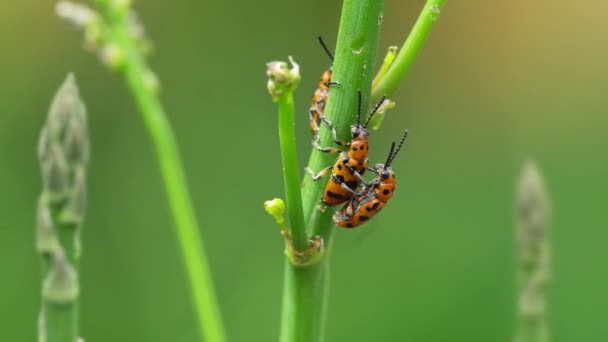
x: 498, y: 82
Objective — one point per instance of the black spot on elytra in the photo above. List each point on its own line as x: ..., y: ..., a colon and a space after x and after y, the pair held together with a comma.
x: 332, y: 195
x: 339, y: 167
x: 363, y: 218
x: 354, y: 148
x: 375, y: 206
x: 369, y: 208
x: 352, y: 184
x: 349, y: 225
x: 339, y: 179
x: 385, y: 191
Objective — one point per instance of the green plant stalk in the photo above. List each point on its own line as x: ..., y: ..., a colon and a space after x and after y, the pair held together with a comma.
x: 386, y: 64
x: 190, y: 242
x: 291, y: 172
x: 410, y: 49
x: 61, y: 322
x: 356, y: 49
x: 533, y: 274
x: 305, y: 288
x: 66, y: 235
x: 304, y: 300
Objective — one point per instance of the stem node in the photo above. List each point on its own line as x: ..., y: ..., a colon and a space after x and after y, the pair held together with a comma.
x: 308, y: 257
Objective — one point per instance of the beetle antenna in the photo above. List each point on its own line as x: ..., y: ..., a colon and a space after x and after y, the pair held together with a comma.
x: 359, y: 109
x: 392, y: 157
x: 374, y: 111
x: 390, y: 154
x: 331, y: 56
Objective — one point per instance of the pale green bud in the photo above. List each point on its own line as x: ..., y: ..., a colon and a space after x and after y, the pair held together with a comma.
x: 64, y: 143
x: 532, y: 211
x: 151, y: 81
x: 281, y: 79
x: 112, y: 55
x: 46, y: 242
x: 74, y: 209
x: 65, y: 105
x: 79, y: 15
x: 76, y: 141
x: 61, y: 283
x: 55, y: 173
x: 276, y: 208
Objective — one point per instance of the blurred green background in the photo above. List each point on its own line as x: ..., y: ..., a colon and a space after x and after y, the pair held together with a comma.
x: 497, y: 83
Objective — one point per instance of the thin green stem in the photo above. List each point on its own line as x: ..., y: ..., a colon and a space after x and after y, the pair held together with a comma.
x: 135, y: 71
x: 305, y: 291
x: 386, y: 64
x: 66, y: 236
x: 291, y: 171
x: 61, y: 322
x: 410, y: 49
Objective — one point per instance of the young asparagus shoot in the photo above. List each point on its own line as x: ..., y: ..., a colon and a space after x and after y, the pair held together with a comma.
x: 533, y: 253
x: 63, y: 151
x: 114, y: 33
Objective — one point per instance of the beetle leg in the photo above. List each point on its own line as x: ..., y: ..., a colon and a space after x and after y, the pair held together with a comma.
x: 346, y: 187
x: 316, y: 177
x: 334, y: 134
x: 315, y: 144
x: 356, y: 174
x: 331, y: 83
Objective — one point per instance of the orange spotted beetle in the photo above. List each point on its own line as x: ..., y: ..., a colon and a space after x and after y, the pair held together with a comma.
x: 354, y: 159
x: 319, y: 99
x: 373, y: 196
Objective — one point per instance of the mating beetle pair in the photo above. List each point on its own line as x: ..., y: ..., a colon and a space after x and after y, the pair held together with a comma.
x: 346, y: 184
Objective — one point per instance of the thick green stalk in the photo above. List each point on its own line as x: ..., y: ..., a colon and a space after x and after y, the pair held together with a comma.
x: 353, y: 66
x: 410, y: 49
x: 291, y: 171
x: 305, y: 288
x: 60, y: 322
x: 304, y: 300
x: 137, y: 75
